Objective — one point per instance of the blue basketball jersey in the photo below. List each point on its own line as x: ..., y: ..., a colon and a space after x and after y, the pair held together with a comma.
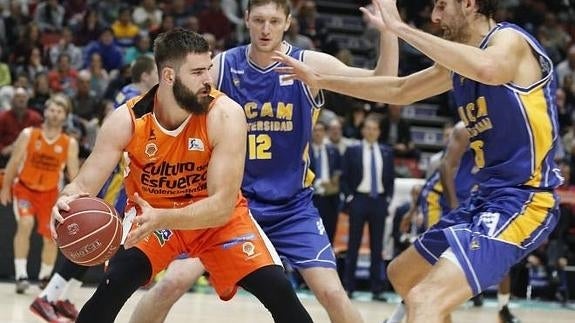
x: 513, y: 129
x: 280, y: 115
x: 127, y: 92
x: 432, y: 200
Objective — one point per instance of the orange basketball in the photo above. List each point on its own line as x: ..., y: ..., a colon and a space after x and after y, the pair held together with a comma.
x: 90, y: 233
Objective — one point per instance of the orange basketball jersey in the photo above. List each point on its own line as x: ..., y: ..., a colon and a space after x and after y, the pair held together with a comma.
x: 44, y: 162
x: 167, y: 168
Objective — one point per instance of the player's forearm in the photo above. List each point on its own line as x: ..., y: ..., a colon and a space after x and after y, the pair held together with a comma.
x: 388, y: 61
x: 466, y: 60
x: 384, y: 89
x: 210, y: 212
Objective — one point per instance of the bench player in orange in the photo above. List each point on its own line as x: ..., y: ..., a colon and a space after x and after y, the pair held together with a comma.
x: 185, y: 150
x: 32, y: 180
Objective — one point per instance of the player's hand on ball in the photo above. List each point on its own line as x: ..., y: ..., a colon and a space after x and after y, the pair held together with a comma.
x: 146, y: 223
x: 62, y: 204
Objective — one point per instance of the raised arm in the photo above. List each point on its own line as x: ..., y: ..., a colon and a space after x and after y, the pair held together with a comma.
x: 457, y: 145
x: 497, y: 64
x: 396, y: 90
x: 14, y: 162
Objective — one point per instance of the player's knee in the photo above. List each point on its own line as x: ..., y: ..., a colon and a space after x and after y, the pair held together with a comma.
x: 330, y: 296
x: 423, y: 298
x: 128, y: 269
x: 394, y: 271
x: 169, y: 289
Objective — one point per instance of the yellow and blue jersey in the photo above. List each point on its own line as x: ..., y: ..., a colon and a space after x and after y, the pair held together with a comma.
x: 432, y: 200
x: 280, y: 115
x: 513, y: 129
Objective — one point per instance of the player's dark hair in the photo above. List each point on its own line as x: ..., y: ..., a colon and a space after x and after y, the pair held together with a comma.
x: 487, y: 8
x: 283, y: 4
x: 143, y: 64
x: 172, y: 47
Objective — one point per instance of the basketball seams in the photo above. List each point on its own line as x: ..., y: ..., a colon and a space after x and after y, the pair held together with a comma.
x: 102, y: 227
x: 100, y: 230
x: 105, y: 250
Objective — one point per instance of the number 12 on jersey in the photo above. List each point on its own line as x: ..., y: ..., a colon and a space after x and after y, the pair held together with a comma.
x: 259, y: 146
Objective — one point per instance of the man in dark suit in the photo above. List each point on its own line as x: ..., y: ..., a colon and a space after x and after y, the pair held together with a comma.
x: 367, y: 182
x: 326, y: 165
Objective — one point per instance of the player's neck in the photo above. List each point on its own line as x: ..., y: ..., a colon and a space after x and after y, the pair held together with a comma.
x: 479, y: 29
x: 167, y: 111
x: 51, y: 132
x: 264, y: 59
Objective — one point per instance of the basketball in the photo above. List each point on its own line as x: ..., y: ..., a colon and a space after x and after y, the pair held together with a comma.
x: 90, y: 233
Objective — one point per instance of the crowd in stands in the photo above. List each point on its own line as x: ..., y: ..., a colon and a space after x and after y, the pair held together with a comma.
x: 84, y: 48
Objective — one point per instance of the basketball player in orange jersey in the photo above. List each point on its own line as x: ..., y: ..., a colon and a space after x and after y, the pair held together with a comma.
x: 280, y: 114
x: 185, y: 150
x: 32, y: 180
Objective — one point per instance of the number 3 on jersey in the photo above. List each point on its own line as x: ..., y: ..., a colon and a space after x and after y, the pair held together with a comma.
x: 259, y: 146
x: 477, y: 147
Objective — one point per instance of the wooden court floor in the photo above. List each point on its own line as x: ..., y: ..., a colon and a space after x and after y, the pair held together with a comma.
x: 206, y: 307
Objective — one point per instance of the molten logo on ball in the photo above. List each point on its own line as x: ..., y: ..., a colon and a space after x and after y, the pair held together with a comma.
x: 73, y: 228
x: 86, y: 250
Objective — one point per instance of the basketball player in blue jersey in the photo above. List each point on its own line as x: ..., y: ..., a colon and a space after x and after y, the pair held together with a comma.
x: 503, y: 84
x: 54, y: 300
x: 277, y: 181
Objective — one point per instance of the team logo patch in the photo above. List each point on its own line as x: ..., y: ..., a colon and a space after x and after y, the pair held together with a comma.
x: 248, y: 248
x: 73, y: 228
x: 474, y: 244
x: 236, y: 82
x: 151, y: 149
x: 195, y: 144
x: 24, y: 205
x: 284, y: 81
x: 163, y: 236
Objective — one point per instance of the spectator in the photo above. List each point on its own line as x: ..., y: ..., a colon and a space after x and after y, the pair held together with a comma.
x: 180, y: 11
x: 14, y: 120
x: 89, y: 30
x: 141, y: 47
x: 294, y: 37
x: 41, y: 93
x: 335, y: 137
x: 567, y: 66
x: 311, y: 25
x: 15, y: 21
x: 63, y: 78
x: 99, y: 76
x: 125, y: 31
x: 65, y: 45
x: 395, y: 132
x: 50, y: 16
x: 5, y: 73
x: 110, y: 53
x: 212, y: 20
x: 30, y: 39
x: 354, y: 120
x: 367, y: 183
x: 147, y: 15
x: 75, y: 11
x: 168, y: 23
x: 33, y: 65
x: 326, y: 165
x: 86, y: 107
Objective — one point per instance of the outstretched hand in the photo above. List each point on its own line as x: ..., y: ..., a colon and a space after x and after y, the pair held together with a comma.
x: 385, y: 16
x: 146, y: 223
x: 295, y: 69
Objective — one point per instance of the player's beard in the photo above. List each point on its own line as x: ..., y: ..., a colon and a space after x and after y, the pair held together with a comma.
x: 188, y: 100
x: 457, y: 30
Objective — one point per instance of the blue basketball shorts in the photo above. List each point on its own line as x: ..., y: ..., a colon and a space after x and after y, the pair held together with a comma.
x: 493, y: 232
x: 296, y: 231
